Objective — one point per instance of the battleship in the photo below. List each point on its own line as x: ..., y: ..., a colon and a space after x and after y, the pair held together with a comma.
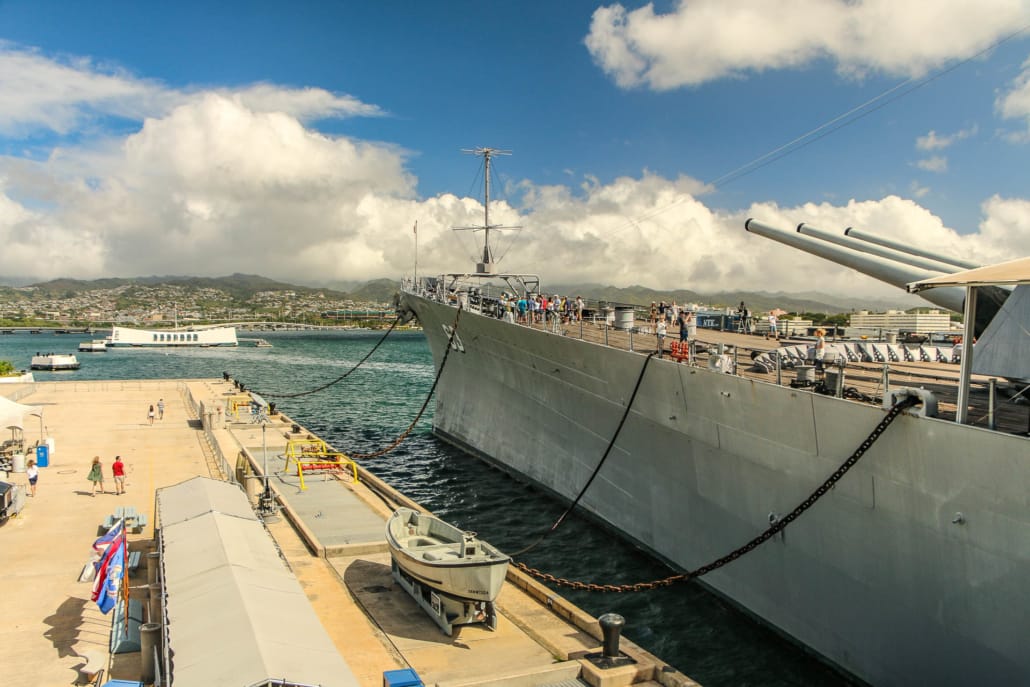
x: 912, y: 569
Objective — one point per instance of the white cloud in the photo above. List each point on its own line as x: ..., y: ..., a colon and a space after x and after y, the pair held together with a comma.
x: 934, y: 142
x: 704, y: 40
x: 937, y: 163
x: 42, y: 95
x: 1015, y: 104
x: 211, y: 188
x: 215, y: 188
x: 221, y: 182
x: 918, y: 190
x: 1005, y: 229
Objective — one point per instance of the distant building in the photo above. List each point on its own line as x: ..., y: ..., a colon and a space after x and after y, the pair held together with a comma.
x: 784, y: 327
x: 899, y: 320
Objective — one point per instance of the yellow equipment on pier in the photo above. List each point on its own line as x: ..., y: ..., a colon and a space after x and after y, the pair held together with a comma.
x: 315, y: 455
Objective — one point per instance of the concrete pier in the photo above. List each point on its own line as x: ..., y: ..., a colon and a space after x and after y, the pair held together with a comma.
x: 330, y: 533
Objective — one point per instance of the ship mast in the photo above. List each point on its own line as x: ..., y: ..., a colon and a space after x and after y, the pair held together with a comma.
x: 487, y: 265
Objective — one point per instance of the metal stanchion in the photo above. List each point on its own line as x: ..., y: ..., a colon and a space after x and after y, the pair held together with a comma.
x: 992, y: 395
x: 149, y: 640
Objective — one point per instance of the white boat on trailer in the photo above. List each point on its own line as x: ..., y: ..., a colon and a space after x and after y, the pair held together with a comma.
x: 454, y: 575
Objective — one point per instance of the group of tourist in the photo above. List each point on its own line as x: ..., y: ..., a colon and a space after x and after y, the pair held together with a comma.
x: 96, y: 475
x: 540, y: 309
x: 663, y: 315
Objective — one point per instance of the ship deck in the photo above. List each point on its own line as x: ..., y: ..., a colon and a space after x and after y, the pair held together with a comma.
x: 940, y: 378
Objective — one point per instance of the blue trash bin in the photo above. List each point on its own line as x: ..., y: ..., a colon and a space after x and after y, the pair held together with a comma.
x: 42, y: 456
x: 401, y: 678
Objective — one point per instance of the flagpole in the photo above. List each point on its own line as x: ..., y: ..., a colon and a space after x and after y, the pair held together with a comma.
x: 125, y: 575
x: 415, y: 280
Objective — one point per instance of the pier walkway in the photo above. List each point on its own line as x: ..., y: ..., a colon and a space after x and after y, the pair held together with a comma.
x: 330, y: 534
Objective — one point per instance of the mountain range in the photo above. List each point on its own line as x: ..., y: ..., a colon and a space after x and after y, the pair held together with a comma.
x: 243, y: 286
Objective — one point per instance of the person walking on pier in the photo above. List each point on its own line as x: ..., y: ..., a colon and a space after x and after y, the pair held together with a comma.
x: 660, y: 330
x: 32, y: 472
x: 96, y: 475
x: 118, y: 468
x: 160, y: 409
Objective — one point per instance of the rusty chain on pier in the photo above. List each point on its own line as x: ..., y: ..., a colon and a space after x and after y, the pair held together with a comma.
x: 773, y: 529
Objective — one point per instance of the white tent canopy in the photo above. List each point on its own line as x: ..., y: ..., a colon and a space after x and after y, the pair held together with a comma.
x: 13, y: 414
x: 1012, y: 272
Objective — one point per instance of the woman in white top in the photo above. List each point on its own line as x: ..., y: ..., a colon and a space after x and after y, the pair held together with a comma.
x: 33, y: 474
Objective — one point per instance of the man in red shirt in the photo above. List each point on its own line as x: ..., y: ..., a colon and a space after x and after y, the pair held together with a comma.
x: 118, y: 467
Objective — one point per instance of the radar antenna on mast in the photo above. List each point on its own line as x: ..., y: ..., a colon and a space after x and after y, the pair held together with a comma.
x: 487, y: 265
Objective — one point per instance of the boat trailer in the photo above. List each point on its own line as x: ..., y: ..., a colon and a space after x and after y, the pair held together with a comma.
x: 445, y: 610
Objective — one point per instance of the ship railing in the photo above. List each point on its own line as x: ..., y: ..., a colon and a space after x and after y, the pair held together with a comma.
x: 851, y: 373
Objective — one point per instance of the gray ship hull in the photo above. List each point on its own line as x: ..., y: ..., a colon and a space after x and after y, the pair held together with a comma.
x: 876, y: 577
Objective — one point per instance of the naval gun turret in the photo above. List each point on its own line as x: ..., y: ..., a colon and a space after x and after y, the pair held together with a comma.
x: 898, y: 270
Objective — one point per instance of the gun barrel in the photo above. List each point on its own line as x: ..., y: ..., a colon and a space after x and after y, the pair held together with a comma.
x: 874, y: 249
x: 895, y: 245
x: 889, y: 271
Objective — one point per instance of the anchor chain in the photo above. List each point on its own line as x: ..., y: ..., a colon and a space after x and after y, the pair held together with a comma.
x: 344, y: 375
x: 774, y: 529
x: 425, y: 404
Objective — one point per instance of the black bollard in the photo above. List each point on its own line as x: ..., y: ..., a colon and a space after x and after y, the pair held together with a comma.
x: 610, y: 656
x: 611, y: 629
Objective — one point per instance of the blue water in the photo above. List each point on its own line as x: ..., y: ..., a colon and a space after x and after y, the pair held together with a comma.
x: 685, y: 625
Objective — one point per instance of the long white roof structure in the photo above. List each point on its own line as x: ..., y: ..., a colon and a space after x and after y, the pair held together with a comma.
x: 235, y: 614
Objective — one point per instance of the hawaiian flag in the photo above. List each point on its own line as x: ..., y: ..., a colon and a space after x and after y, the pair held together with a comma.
x: 112, y: 579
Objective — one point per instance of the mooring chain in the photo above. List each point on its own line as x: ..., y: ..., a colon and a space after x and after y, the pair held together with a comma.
x: 773, y: 529
x: 344, y: 375
x: 425, y: 404
x: 600, y: 464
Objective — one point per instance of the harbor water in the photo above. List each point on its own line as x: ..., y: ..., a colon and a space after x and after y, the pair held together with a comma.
x: 693, y: 630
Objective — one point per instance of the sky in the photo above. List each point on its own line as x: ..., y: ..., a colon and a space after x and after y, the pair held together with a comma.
x: 302, y: 141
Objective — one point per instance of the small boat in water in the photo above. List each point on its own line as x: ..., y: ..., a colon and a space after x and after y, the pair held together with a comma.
x: 445, y: 558
x: 54, y: 361
x: 94, y: 346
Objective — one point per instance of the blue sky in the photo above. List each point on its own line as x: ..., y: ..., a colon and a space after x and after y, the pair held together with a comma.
x: 302, y: 140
